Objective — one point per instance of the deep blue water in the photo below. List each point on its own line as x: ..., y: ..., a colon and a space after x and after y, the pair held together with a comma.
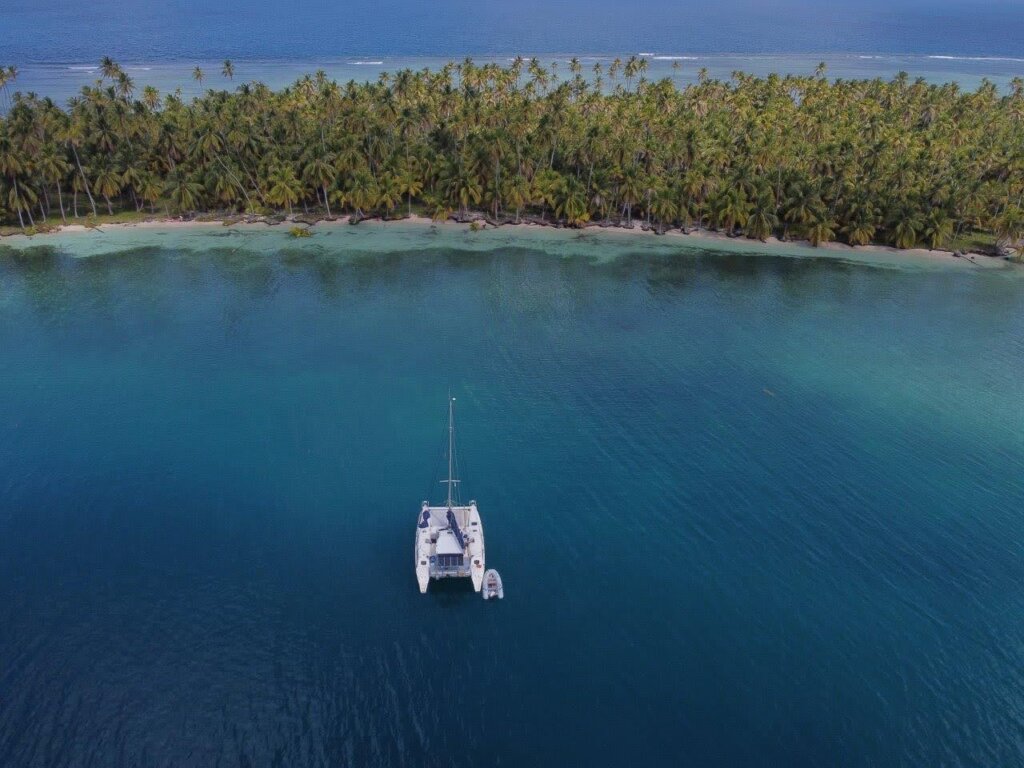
x: 58, y: 30
x: 57, y: 45
x: 750, y: 510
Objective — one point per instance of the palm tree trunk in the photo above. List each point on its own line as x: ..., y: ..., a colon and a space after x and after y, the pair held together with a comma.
x: 327, y: 203
x: 85, y: 181
x: 110, y: 208
x: 17, y: 204
x: 248, y: 202
x: 60, y: 201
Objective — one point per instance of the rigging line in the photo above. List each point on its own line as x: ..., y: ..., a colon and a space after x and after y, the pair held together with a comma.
x: 455, y: 475
x: 458, y: 473
x: 462, y: 471
x: 440, y: 456
x: 451, y: 447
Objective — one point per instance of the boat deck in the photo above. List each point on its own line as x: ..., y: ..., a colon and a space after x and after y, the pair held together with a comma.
x: 431, y: 539
x: 439, y: 516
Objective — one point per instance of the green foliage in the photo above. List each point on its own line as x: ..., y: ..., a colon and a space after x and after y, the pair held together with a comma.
x: 899, y: 162
x: 300, y: 232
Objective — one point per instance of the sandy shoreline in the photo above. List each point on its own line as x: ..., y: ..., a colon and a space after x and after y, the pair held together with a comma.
x: 694, y: 237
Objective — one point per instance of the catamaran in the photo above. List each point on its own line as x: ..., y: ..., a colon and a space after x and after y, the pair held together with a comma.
x: 449, y: 538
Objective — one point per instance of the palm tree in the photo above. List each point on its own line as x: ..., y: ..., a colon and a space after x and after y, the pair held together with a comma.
x: 938, y: 229
x: 389, y: 193
x: 1009, y: 225
x: 440, y: 210
x: 665, y: 208
x: 547, y: 185
x: 184, y: 193
x: 151, y: 97
x: 859, y: 232
x: 731, y: 210
x: 860, y: 224
x: 409, y: 185
x: 630, y: 190
x: 228, y: 69
x: 54, y: 169
x: 21, y: 199
x: 150, y: 190
x: 125, y: 86
x: 899, y: 161
x: 906, y: 231
x: 226, y: 187
x: 7, y: 75
x: 462, y: 185
x: 802, y: 208
x: 284, y: 187
x: 12, y: 163
x: 517, y: 193
x: 109, y: 68
x: 571, y: 202
x: 107, y: 184
x: 762, y: 220
x: 362, y: 192
x: 197, y: 75
x: 320, y: 173
x: 74, y: 137
x: 821, y: 230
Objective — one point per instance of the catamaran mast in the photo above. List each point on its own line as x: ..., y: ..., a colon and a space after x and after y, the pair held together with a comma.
x: 451, y: 443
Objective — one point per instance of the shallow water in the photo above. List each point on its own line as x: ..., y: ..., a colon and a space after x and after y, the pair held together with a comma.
x: 749, y: 509
x: 61, y: 78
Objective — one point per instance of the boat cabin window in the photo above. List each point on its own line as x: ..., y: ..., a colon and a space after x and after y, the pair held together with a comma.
x: 450, y: 561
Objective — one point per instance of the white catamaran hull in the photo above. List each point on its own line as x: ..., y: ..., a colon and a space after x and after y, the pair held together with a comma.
x: 449, y: 538
x: 438, y: 557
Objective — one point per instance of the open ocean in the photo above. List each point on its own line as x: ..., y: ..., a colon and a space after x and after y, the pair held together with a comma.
x: 750, y: 508
x: 57, y: 44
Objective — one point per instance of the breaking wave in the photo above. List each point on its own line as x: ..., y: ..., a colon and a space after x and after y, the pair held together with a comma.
x: 977, y: 58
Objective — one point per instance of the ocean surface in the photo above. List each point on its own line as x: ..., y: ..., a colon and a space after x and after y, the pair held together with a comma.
x: 58, y: 44
x: 750, y: 508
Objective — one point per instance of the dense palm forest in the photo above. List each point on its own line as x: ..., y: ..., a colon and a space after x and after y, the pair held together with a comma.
x: 899, y: 162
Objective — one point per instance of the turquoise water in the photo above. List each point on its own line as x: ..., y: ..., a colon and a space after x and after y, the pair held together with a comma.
x: 749, y: 508
x: 64, y: 78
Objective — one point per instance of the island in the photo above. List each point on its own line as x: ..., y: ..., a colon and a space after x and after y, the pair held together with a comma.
x: 898, y: 163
